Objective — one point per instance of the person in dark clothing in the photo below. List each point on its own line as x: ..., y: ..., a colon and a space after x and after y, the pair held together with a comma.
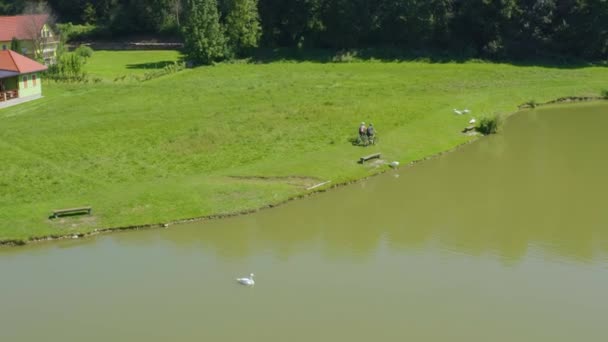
x: 371, y: 133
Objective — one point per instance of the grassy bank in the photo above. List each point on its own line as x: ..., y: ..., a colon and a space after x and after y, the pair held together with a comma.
x: 112, y: 65
x: 232, y: 137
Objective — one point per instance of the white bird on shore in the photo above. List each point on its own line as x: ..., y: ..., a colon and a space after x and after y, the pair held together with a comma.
x: 472, y: 121
x: 246, y: 281
x: 460, y: 112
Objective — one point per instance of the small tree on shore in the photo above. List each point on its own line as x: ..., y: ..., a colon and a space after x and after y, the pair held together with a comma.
x: 489, y: 125
x: 243, y: 28
x: 204, y: 40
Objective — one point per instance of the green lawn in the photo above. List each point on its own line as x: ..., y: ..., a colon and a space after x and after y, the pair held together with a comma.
x: 199, y: 142
x: 109, y: 65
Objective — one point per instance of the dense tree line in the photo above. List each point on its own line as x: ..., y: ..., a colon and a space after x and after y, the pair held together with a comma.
x: 487, y: 28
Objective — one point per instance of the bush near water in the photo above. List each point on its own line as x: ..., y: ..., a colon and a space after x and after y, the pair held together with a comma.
x: 489, y: 125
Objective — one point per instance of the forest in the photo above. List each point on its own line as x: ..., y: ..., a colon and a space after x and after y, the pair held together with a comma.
x: 491, y: 29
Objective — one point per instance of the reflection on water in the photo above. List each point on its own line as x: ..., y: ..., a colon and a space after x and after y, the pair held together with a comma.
x: 502, y: 240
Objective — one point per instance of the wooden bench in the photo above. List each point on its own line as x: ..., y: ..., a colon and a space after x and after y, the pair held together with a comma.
x: 60, y: 212
x: 366, y: 158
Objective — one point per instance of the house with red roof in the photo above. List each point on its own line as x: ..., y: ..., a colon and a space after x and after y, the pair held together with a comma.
x: 20, y: 78
x: 37, y: 39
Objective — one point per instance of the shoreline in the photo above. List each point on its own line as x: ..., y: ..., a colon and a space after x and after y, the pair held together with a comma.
x: 307, y: 193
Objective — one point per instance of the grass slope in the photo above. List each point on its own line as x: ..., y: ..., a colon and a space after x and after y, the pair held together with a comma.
x: 200, y: 142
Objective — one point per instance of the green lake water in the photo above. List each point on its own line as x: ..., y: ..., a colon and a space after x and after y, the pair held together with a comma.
x: 505, y: 239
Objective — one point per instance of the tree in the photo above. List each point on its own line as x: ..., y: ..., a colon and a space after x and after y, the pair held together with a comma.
x: 11, y: 7
x: 584, y: 28
x: 243, y: 28
x: 412, y: 23
x: 204, y: 40
x: 220, y: 28
x: 177, y: 8
x: 291, y: 22
x: 40, y: 14
x: 484, y: 25
x: 151, y: 15
x: 70, y: 10
x: 347, y: 23
x: 16, y: 45
x: 88, y: 14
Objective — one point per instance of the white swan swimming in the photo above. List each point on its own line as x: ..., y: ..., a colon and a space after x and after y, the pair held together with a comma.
x: 246, y: 281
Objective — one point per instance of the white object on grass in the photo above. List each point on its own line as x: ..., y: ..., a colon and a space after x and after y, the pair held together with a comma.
x: 460, y: 112
x: 393, y: 164
x: 318, y: 185
x: 472, y: 121
x: 246, y: 281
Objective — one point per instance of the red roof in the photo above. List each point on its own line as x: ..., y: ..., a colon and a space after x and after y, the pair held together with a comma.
x: 23, y: 27
x: 12, y: 61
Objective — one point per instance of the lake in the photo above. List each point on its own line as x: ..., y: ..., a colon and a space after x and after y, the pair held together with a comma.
x: 505, y: 239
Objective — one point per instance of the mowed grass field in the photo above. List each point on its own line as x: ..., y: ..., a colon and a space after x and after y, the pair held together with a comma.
x: 109, y: 65
x: 232, y: 137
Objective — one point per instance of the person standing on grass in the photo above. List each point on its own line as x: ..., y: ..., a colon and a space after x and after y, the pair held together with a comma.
x: 371, y: 133
x: 362, y: 133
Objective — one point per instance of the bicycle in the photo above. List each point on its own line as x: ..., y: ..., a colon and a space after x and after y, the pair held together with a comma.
x: 362, y: 140
x: 373, y: 140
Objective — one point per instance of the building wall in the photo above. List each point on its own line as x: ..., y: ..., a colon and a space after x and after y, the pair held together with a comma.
x: 30, y: 89
x: 10, y: 83
x: 47, y: 50
x: 27, y: 47
x: 48, y: 46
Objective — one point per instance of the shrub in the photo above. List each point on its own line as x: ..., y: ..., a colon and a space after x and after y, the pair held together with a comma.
x: 345, y: 57
x: 489, y: 125
x: 84, y: 51
x: 69, y: 68
x: 604, y: 94
x: 71, y: 32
